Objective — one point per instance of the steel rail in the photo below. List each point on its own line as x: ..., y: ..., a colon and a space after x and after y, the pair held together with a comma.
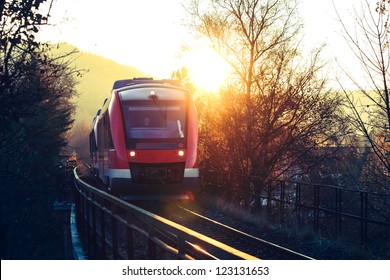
x: 288, y: 253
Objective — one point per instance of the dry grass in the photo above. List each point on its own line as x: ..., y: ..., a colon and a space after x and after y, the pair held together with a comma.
x: 300, y: 239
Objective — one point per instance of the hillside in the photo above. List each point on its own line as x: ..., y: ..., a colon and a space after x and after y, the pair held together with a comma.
x: 93, y: 87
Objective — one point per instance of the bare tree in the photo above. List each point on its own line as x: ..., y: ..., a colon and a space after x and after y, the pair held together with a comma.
x: 276, y: 109
x: 19, y: 23
x: 369, y: 104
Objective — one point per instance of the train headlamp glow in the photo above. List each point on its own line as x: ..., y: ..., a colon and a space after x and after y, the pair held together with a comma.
x: 132, y: 153
x: 180, y: 153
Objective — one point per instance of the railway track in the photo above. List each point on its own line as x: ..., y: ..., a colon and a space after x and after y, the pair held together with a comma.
x: 228, y: 235
x: 215, y: 230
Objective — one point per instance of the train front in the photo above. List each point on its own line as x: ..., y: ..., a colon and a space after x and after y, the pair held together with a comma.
x: 161, y: 132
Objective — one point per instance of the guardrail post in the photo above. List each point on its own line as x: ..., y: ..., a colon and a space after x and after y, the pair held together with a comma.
x: 114, y: 234
x: 181, y: 246
x: 152, y: 253
x: 87, y: 218
x: 129, y: 238
x: 81, y: 220
x: 94, y: 231
x: 102, y: 234
x: 77, y: 208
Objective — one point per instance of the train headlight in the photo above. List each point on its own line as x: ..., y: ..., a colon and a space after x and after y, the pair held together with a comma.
x: 180, y: 154
x: 132, y: 153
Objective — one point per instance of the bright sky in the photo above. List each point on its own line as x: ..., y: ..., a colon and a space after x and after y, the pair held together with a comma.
x: 149, y: 34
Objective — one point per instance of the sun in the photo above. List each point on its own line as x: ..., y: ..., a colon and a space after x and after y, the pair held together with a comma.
x: 207, y: 69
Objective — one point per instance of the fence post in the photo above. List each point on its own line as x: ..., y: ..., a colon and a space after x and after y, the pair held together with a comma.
x: 282, y: 200
x: 363, y: 217
x: 316, y: 207
x: 269, y: 197
x: 298, y: 202
x: 338, y: 211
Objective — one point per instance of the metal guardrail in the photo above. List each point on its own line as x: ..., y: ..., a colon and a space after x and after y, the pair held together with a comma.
x: 329, y: 209
x: 111, y: 228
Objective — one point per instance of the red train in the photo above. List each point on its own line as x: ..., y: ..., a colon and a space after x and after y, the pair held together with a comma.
x: 144, y: 139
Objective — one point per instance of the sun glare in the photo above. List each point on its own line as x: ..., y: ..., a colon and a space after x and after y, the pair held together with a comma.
x: 207, y: 69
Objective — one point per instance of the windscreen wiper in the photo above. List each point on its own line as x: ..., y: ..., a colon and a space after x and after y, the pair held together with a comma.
x: 181, y: 133
x: 161, y: 109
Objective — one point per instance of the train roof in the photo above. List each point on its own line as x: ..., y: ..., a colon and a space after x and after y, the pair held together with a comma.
x: 137, y: 81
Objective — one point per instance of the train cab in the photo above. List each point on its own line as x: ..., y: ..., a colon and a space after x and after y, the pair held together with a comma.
x: 145, y: 139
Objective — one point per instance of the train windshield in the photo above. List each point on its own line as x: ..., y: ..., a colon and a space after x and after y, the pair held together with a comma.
x: 149, y: 121
x: 154, y: 114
